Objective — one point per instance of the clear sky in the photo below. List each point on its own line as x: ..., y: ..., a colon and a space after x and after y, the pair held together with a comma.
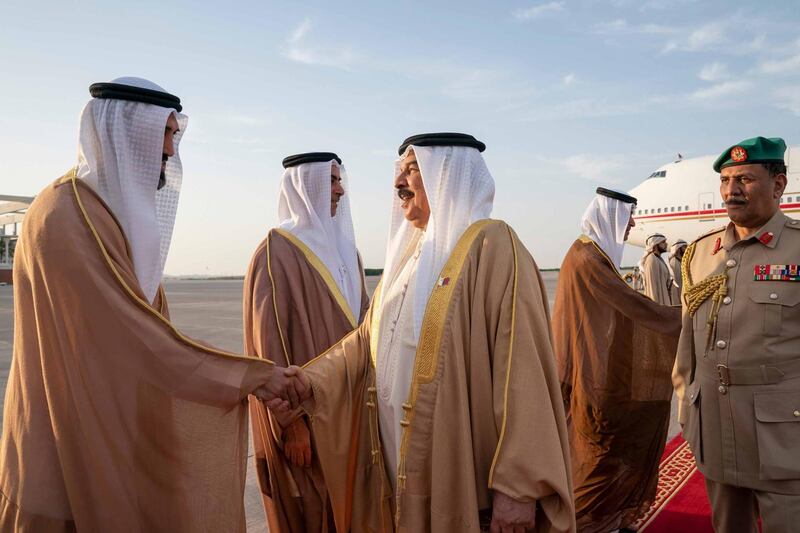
x: 566, y: 94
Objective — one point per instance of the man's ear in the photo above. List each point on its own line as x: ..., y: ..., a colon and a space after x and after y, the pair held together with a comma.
x: 780, y: 185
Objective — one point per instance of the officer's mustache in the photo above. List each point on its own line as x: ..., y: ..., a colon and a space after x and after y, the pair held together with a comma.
x: 405, y: 193
x: 735, y: 201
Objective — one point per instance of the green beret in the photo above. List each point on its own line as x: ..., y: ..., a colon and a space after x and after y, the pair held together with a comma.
x: 755, y: 150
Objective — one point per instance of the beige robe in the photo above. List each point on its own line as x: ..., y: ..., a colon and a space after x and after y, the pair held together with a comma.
x: 293, y: 311
x: 677, y: 281
x: 615, y: 350
x: 657, y: 280
x: 114, y: 420
x: 484, y: 412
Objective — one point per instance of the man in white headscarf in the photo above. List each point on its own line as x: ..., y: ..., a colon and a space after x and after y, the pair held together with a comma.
x: 615, y: 350
x: 676, y: 252
x: 441, y: 412
x: 114, y: 420
x: 657, y: 279
x: 303, y: 292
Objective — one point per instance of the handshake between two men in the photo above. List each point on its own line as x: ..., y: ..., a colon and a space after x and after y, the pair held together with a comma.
x: 285, y: 389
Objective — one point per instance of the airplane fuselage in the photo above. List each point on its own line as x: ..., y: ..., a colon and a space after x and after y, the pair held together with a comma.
x: 681, y: 200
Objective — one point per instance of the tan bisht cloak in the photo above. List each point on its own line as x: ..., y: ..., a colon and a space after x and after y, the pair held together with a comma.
x: 615, y: 350
x: 114, y: 420
x: 484, y: 412
x: 293, y: 311
x: 657, y: 280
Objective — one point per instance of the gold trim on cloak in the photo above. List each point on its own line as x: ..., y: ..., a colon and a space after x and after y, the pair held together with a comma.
x: 72, y: 177
x: 510, y: 356
x: 426, y: 359
x: 588, y: 240
x: 323, y: 271
x: 375, y: 325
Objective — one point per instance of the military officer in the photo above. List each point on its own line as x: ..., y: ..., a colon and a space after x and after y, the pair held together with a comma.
x: 737, y: 372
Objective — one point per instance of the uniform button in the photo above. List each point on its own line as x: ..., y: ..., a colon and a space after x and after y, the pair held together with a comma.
x: 721, y: 345
x: 773, y: 296
x: 723, y: 389
x: 691, y: 397
x: 731, y: 262
x: 796, y: 413
x: 727, y: 300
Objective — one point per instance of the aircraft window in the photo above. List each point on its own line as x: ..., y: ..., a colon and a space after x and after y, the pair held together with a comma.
x: 672, y: 209
x: 659, y: 209
x: 679, y: 208
x: 687, y: 208
x: 709, y: 206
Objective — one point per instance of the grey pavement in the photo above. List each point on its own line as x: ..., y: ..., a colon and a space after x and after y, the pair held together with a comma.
x: 211, y: 311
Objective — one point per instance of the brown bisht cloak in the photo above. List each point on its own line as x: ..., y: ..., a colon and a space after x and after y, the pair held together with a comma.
x: 114, y: 420
x: 293, y: 311
x: 615, y: 350
x: 484, y: 412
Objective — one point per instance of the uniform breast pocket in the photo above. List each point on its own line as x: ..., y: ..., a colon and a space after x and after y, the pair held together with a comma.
x: 778, y: 302
x: 778, y: 433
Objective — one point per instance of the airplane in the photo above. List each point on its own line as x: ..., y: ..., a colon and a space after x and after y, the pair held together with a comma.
x: 12, y: 211
x: 681, y: 200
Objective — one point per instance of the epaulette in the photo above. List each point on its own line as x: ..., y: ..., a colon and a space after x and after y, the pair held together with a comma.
x: 793, y: 223
x: 709, y: 233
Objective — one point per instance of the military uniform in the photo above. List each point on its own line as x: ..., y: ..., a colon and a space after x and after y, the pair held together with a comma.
x: 737, y: 372
x: 747, y: 386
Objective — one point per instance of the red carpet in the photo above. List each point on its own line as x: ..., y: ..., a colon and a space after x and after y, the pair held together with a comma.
x: 681, y: 503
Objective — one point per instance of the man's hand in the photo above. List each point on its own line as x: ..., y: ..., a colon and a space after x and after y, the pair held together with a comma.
x: 511, y: 516
x: 290, y: 384
x: 297, y: 443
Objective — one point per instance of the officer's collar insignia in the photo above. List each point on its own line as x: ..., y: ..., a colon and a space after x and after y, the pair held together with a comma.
x: 776, y: 273
x: 738, y: 154
x: 717, y: 246
x: 765, y: 238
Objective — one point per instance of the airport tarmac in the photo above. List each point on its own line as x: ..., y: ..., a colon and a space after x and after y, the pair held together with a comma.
x: 211, y: 310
